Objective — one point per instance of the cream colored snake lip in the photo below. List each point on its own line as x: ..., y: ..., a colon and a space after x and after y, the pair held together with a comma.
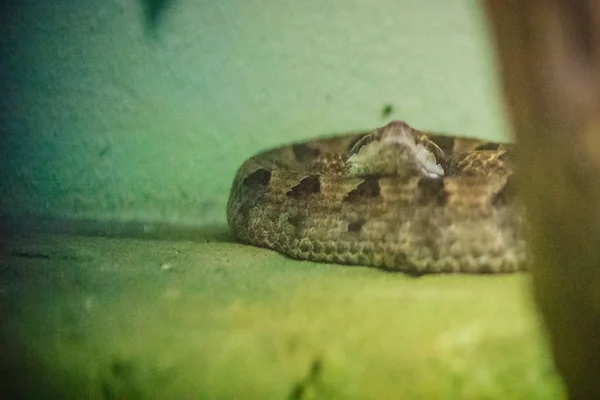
x: 394, y: 198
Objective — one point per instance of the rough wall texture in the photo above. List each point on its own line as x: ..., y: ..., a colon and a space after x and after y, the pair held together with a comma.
x: 104, y: 119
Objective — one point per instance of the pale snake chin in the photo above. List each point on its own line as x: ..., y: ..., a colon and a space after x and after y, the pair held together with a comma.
x: 395, y: 198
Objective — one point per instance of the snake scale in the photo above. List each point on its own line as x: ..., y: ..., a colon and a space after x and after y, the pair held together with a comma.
x: 394, y: 198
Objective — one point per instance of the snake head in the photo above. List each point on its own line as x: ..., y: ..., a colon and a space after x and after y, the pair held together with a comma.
x: 396, y: 148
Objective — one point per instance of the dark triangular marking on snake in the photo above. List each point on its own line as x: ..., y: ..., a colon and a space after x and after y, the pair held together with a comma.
x: 488, y: 146
x: 431, y: 190
x: 369, y: 188
x: 356, y: 226
x: 303, y: 152
x: 306, y: 188
x: 260, y: 177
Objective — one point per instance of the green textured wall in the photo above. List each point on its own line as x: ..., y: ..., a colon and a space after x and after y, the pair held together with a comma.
x: 104, y: 119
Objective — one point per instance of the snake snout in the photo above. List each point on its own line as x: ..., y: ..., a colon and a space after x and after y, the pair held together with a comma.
x: 423, y: 157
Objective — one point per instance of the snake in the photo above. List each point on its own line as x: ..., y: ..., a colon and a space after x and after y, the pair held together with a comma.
x: 394, y: 198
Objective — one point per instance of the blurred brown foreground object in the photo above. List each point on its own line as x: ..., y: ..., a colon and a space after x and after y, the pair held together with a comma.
x: 549, y: 54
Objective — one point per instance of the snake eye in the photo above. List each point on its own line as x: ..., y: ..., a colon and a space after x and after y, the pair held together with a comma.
x: 361, y: 142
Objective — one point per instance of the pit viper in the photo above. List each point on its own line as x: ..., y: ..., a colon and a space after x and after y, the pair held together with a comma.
x: 394, y: 198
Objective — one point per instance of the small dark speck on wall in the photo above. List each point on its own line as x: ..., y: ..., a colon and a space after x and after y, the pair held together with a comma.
x: 153, y: 11
x: 387, y: 110
x: 104, y: 150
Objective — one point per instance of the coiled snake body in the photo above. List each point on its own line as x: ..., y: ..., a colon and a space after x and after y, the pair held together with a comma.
x: 395, y: 198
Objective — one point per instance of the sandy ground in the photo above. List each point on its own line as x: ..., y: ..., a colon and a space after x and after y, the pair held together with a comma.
x: 94, y: 317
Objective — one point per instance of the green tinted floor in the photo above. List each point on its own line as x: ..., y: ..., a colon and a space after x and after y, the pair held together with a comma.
x: 91, y: 317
